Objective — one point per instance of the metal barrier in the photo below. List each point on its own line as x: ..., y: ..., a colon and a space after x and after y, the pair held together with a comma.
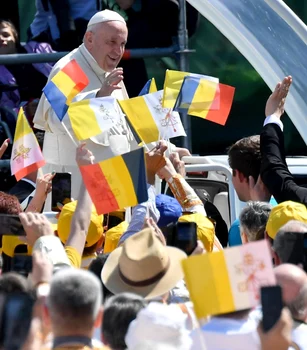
x: 180, y: 51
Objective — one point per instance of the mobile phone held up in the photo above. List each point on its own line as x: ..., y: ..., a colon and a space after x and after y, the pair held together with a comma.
x: 185, y: 236
x: 61, y: 190
x: 15, y: 320
x: 272, y: 305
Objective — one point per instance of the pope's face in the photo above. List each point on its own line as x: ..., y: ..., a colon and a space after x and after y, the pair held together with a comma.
x: 7, y: 40
x: 106, y: 43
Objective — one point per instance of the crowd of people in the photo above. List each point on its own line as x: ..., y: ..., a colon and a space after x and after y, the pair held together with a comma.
x: 115, y: 281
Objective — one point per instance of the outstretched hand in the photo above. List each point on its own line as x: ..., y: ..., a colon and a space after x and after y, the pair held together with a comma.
x: 3, y: 147
x: 155, y: 161
x: 276, y: 101
x: 111, y: 83
x: 84, y: 156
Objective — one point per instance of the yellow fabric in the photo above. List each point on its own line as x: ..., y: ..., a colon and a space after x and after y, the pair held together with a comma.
x: 284, y: 212
x: 95, y: 231
x: 211, y: 295
x: 140, y: 117
x: 9, y: 243
x: 203, y: 98
x: 74, y: 257
x: 121, y: 183
x: 113, y: 236
x: 205, y: 228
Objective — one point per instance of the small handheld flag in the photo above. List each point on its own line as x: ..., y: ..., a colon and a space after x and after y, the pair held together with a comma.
x: 26, y: 153
x: 117, y: 182
x: 149, y: 87
x: 91, y: 117
x: 150, y: 120
x: 205, y: 99
x: 64, y: 86
x: 172, y: 85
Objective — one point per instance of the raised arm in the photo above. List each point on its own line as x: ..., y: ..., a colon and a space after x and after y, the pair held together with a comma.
x: 274, y: 170
x: 82, y: 216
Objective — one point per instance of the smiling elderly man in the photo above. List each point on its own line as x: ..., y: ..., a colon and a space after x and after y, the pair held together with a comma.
x: 103, y: 47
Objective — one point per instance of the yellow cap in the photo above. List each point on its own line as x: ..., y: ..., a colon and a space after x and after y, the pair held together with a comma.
x: 113, y: 236
x: 284, y: 212
x: 205, y: 228
x: 95, y: 231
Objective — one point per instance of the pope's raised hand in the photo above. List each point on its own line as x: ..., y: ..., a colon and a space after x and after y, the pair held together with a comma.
x: 111, y: 83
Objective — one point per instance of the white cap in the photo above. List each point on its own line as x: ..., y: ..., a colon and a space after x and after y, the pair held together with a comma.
x: 105, y: 16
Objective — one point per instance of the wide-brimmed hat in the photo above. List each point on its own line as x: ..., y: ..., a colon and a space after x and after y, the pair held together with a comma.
x: 143, y: 265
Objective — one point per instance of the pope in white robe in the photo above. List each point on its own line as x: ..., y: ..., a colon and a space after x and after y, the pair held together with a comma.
x: 98, y: 56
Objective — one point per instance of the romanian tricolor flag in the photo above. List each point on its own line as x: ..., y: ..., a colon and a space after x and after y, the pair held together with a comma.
x: 93, y: 116
x: 172, y: 85
x: 232, y: 279
x: 150, y: 120
x: 64, y: 86
x: 26, y: 154
x: 205, y: 99
x: 149, y: 87
x: 117, y: 182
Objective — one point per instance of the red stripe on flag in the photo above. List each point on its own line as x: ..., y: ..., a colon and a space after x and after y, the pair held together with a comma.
x: 99, y: 189
x: 76, y: 74
x: 225, y: 95
x: 29, y: 169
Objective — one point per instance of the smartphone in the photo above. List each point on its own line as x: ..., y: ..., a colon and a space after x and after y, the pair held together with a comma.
x: 11, y: 225
x: 61, y: 190
x: 272, y: 305
x: 185, y: 236
x: 16, y: 320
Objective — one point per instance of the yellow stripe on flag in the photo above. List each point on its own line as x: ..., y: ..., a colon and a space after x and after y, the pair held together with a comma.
x: 141, y: 119
x: 83, y: 120
x: 22, y: 126
x: 153, y: 86
x: 172, y: 84
x: 65, y: 84
x: 119, y: 180
x: 203, y: 97
x: 207, y: 280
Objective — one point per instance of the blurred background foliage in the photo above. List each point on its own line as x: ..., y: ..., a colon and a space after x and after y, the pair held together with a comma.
x: 214, y: 55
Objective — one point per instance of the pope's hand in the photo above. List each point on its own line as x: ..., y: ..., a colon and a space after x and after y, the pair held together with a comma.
x: 111, y: 83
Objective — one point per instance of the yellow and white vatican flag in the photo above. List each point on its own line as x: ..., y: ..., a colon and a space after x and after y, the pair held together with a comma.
x: 93, y: 116
x: 26, y: 154
x: 150, y: 120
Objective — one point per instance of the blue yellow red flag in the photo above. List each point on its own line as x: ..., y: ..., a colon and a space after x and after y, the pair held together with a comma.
x: 64, y: 86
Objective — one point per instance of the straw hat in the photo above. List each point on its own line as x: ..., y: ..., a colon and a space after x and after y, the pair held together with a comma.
x: 143, y: 265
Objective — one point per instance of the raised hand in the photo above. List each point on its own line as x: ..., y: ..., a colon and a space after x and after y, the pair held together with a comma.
x: 276, y: 101
x: 111, y: 83
x: 3, y: 147
x: 84, y: 156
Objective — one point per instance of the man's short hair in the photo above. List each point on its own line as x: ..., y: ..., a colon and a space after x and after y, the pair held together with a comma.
x: 253, y: 219
x: 245, y: 156
x: 119, y: 311
x: 290, y: 243
x: 298, y: 306
x: 75, y: 298
x: 12, y: 282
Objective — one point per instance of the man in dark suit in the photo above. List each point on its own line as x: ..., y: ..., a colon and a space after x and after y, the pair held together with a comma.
x: 274, y: 170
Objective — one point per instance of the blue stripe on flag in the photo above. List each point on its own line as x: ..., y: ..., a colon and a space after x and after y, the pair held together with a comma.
x: 56, y: 99
x: 186, y: 93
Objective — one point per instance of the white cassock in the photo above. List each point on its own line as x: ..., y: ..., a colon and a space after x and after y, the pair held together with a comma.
x: 59, y: 150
